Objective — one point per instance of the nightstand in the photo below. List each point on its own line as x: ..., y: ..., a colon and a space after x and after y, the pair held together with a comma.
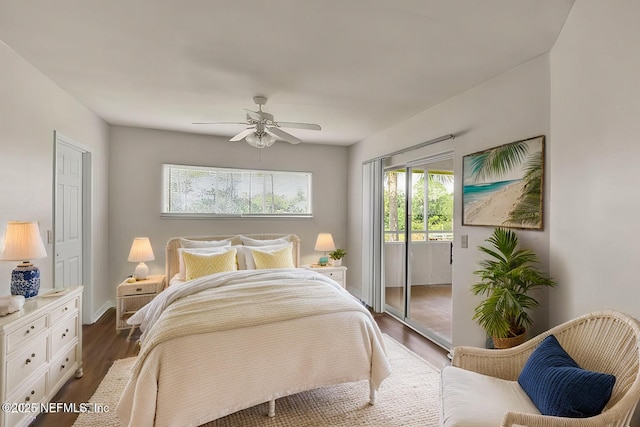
x: 133, y: 296
x: 338, y: 274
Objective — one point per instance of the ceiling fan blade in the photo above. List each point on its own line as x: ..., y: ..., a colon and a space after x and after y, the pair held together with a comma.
x: 219, y: 123
x: 242, y: 134
x: 309, y: 126
x: 259, y: 115
x: 280, y: 134
x: 254, y: 115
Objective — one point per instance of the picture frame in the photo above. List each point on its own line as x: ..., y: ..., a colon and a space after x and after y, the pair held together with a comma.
x: 503, y: 186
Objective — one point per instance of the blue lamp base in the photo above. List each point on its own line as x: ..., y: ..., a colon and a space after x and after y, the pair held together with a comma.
x: 25, y: 280
x: 324, y: 260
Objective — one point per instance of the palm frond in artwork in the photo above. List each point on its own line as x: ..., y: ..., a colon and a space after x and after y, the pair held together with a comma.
x: 498, y: 161
x: 528, y: 208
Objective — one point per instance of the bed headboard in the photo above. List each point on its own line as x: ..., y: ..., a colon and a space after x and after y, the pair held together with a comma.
x: 171, y: 251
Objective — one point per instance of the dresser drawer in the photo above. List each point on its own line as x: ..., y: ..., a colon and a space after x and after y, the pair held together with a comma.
x: 63, y: 334
x: 61, y: 366
x: 337, y: 275
x: 26, y: 361
x: 33, y: 393
x: 15, y: 338
x: 138, y: 289
x: 67, y: 308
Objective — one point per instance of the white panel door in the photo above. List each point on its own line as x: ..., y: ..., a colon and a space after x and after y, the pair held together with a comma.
x: 68, y: 216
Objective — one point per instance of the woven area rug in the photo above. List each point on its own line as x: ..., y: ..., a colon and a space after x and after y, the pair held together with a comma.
x: 408, y: 397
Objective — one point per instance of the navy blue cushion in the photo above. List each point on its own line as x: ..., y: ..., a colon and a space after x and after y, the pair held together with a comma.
x: 559, y: 387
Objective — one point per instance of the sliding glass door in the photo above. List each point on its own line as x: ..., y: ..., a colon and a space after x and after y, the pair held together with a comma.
x: 395, y: 236
x: 418, y: 236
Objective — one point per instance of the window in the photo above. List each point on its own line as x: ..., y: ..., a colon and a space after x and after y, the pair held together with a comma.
x: 194, y: 191
x: 431, y: 214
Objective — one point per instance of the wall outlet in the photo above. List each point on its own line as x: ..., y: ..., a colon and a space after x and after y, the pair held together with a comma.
x: 464, y: 241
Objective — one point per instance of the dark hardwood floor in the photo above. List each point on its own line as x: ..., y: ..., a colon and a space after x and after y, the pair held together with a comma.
x: 414, y: 341
x: 429, y: 305
x: 102, y: 345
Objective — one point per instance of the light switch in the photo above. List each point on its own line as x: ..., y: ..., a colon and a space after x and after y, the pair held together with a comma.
x: 464, y: 241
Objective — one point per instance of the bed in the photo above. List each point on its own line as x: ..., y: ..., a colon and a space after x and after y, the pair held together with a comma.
x: 218, y: 343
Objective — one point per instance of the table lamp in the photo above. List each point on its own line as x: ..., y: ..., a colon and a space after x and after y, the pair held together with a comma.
x: 22, y: 242
x: 141, y: 251
x: 324, y: 243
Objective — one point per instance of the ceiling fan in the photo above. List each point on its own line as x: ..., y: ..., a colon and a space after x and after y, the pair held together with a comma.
x: 264, y: 130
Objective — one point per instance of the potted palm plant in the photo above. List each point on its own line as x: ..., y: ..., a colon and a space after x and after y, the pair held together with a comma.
x: 506, y: 279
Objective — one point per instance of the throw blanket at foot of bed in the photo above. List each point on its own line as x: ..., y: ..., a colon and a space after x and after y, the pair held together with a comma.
x: 219, y: 344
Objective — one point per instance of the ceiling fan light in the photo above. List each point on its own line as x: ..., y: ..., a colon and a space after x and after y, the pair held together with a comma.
x: 268, y: 139
x: 260, y: 141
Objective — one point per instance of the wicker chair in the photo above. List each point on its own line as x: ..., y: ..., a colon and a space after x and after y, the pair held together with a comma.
x: 605, y: 341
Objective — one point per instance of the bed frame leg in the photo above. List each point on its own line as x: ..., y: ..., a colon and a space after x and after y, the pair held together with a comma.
x: 372, y: 394
x: 272, y: 408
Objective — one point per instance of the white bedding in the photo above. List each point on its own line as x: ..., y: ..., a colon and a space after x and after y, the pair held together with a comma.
x: 257, y: 335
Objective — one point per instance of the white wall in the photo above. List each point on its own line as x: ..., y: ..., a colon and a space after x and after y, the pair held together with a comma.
x: 595, y: 201
x: 510, y: 107
x: 135, y: 175
x: 31, y: 108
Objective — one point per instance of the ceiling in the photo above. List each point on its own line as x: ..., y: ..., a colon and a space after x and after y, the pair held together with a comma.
x: 353, y: 66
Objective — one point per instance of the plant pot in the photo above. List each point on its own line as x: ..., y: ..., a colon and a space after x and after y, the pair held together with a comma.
x: 336, y: 262
x: 509, y: 342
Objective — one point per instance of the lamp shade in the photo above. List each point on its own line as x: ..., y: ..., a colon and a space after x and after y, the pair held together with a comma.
x: 324, y: 243
x: 22, y: 242
x: 141, y: 250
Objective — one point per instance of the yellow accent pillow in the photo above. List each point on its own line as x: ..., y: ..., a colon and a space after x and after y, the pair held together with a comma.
x: 198, y: 265
x: 281, y: 258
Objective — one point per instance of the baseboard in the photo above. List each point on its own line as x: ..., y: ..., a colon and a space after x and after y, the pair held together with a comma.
x: 98, y: 313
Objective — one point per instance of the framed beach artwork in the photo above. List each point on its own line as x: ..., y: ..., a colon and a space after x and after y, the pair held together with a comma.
x: 503, y: 186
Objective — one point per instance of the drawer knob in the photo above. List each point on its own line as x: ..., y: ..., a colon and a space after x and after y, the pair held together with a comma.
x: 138, y: 289
x: 61, y: 367
x: 27, y: 361
x: 64, y: 335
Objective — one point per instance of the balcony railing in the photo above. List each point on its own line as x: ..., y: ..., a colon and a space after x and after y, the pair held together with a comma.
x: 419, y: 236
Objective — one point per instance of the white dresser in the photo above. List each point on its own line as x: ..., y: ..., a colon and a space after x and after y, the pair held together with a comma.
x: 40, y: 349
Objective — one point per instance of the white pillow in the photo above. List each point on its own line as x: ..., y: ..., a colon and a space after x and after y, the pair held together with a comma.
x: 248, y: 255
x: 248, y: 241
x: 240, y: 257
x: 176, y: 280
x: 186, y: 243
x: 212, y: 250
